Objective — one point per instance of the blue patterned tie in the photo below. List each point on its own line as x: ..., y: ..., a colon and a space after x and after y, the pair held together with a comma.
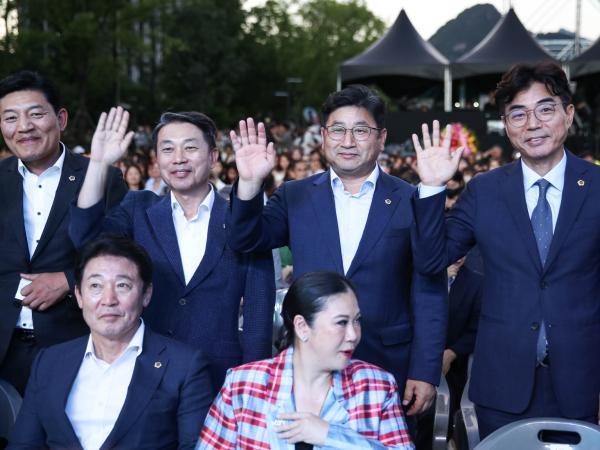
x: 541, y: 221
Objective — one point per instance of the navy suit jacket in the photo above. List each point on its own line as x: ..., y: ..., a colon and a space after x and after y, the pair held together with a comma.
x: 54, y: 252
x: 519, y: 292
x: 165, y: 406
x: 403, y: 313
x: 205, y: 312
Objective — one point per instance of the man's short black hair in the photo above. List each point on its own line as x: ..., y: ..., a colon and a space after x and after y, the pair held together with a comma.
x: 111, y: 245
x: 521, y: 76
x: 28, y: 80
x: 201, y: 121
x: 355, y: 95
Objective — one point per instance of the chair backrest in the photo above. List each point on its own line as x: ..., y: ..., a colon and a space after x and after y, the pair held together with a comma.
x: 466, y: 429
x: 442, y: 416
x: 10, y: 404
x: 277, y: 319
x: 526, y: 434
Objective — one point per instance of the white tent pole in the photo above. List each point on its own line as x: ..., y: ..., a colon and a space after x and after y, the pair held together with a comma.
x: 447, y: 89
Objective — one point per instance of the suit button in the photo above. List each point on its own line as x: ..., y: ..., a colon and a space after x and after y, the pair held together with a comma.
x: 182, y: 301
x: 535, y: 326
x: 543, y: 284
x: 170, y: 332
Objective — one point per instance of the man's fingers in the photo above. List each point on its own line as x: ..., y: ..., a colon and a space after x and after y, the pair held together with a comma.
x: 416, y: 143
x: 127, y: 140
x: 417, y: 406
x: 436, y: 133
x: 252, y: 138
x: 122, y: 123
x: 101, y: 122
x: 262, y: 134
x: 110, y: 119
x: 447, y: 137
x: 426, y: 137
x: 243, y: 133
x: 235, y: 142
x: 29, y: 276
x: 456, y: 155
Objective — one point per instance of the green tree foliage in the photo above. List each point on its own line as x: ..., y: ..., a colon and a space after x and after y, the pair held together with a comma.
x: 207, y: 55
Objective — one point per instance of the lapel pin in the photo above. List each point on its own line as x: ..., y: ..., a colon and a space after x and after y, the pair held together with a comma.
x: 157, y: 365
x: 72, y: 178
x: 388, y: 201
x: 580, y: 183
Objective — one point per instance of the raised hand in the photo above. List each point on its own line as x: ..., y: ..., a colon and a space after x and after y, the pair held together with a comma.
x: 110, y: 140
x: 436, y: 164
x: 254, y: 158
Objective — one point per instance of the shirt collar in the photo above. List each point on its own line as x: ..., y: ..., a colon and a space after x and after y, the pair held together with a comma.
x: 206, y: 204
x: 369, y: 182
x: 135, y: 344
x: 24, y: 171
x: 556, y: 176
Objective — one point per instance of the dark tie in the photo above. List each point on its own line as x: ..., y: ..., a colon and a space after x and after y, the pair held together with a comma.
x: 541, y: 221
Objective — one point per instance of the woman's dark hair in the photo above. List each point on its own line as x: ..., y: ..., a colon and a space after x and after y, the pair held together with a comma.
x: 521, y: 76
x: 308, y: 296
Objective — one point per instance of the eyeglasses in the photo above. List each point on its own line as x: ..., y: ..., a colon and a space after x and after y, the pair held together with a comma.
x: 544, y: 112
x: 359, y: 132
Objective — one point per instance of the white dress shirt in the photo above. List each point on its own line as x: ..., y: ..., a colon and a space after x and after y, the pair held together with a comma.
x: 192, y: 234
x: 38, y: 197
x: 556, y: 178
x: 99, y: 391
x: 352, y: 211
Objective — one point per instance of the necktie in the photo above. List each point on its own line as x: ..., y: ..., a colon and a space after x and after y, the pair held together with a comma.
x: 541, y: 221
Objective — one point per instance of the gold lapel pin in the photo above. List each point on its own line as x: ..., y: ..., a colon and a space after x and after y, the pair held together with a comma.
x: 157, y: 365
x: 388, y: 201
x: 580, y: 183
x: 72, y: 178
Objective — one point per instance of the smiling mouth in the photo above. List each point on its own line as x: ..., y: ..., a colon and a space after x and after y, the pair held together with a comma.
x: 27, y: 140
x: 535, y: 139
x: 348, y: 353
x: 180, y: 173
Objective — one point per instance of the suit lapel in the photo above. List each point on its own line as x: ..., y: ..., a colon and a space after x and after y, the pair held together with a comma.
x: 514, y: 196
x: 149, y: 370
x: 386, y: 199
x: 215, y: 242
x: 160, y: 216
x: 71, y: 177
x: 11, y: 183
x: 573, y: 195
x: 67, y: 369
x: 324, y: 206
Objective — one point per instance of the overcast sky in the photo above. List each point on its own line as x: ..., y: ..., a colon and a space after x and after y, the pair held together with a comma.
x: 537, y: 15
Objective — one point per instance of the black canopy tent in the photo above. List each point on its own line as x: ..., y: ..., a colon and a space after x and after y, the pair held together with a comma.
x: 508, y: 43
x: 587, y: 63
x: 400, y: 62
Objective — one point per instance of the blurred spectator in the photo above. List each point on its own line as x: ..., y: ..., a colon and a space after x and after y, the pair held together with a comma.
x: 133, y: 178
x: 155, y: 183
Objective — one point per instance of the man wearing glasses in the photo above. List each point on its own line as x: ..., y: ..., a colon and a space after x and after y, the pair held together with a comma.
x: 355, y: 220
x: 537, y: 223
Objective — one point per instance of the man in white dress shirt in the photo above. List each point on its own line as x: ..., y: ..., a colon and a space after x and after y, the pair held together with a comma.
x: 37, y: 185
x: 123, y: 386
x: 199, y: 281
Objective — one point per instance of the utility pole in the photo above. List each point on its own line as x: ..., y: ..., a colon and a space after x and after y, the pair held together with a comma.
x: 577, y: 43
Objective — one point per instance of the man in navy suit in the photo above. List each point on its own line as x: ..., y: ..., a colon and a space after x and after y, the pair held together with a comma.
x: 356, y: 220
x: 37, y: 185
x: 536, y: 223
x: 199, y: 282
x: 122, y: 386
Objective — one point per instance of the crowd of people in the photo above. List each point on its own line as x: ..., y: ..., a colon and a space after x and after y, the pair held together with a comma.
x: 140, y: 281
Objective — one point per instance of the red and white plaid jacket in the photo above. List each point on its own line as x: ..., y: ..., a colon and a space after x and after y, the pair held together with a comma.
x: 361, y: 408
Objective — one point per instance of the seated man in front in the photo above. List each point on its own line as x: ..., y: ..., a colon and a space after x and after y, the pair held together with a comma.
x: 123, y: 386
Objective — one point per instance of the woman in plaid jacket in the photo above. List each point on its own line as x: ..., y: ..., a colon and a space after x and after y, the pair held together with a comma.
x: 311, y: 395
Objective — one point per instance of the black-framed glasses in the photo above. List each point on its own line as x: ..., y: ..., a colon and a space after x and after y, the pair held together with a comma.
x: 359, y: 132
x: 544, y: 112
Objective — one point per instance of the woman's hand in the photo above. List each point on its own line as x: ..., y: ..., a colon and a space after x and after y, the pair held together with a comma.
x: 302, y: 427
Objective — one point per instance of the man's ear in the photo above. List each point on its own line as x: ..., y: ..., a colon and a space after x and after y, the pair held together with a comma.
x: 147, y: 296
x: 78, y: 297
x: 63, y: 118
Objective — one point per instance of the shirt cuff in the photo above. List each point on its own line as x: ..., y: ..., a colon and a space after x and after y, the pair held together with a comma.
x: 429, y: 191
